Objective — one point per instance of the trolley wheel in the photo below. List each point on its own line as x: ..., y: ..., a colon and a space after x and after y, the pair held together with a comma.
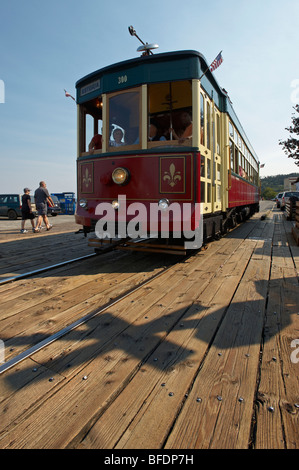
x: 233, y: 221
x: 12, y: 215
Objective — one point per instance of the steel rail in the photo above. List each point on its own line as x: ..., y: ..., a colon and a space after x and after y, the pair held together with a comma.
x: 25, y: 354
x: 46, y: 268
x: 63, y: 263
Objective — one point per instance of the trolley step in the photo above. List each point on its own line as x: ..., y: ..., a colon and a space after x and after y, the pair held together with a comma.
x: 146, y: 245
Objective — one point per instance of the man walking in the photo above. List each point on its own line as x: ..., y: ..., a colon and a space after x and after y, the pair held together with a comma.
x: 42, y: 198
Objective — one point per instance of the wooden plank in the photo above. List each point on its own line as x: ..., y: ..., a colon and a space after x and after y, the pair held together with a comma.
x: 29, y: 253
x: 278, y: 400
x: 229, y: 371
x: 159, y: 391
x: 153, y: 401
x: 125, y: 357
x: 34, y: 383
x: 68, y: 299
x: 295, y: 232
x: 108, y: 368
x: 69, y: 274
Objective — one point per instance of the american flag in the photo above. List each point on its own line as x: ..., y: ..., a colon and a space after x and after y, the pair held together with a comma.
x: 68, y: 95
x: 218, y: 61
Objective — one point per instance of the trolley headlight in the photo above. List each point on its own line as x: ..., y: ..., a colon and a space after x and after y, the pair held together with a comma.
x: 83, y: 203
x: 115, y: 204
x: 121, y: 175
x: 163, y: 204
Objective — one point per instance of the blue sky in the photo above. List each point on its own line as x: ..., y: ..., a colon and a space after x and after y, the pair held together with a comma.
x: 45, y: 47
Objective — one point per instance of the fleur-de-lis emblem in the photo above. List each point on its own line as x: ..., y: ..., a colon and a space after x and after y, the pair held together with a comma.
x: 86, y: 178
x: 172, y: 176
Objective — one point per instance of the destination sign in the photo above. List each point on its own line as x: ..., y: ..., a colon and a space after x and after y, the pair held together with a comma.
x: 90, y: 87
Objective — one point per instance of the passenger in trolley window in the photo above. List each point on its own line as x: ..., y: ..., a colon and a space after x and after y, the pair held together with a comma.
x: 153, y: 133
x: 27, y: 210
x: 42, y: 198
x: 95, y: 143
x: 186, y: 132
x: 117, y: 136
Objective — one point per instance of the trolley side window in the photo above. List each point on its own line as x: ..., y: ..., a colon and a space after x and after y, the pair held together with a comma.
x: 91, y: 126
x: 123, y: 120
x: 242, y: 161
x: 202, y: 120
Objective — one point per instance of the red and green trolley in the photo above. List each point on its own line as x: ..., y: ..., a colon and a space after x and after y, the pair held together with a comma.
x: 158, y: 131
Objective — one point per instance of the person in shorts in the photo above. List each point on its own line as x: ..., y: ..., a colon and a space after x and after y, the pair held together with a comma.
x: 42, y: 198
x: 27, y: 210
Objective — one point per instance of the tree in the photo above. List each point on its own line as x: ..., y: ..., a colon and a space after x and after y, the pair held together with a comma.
x: 291, y: 145
x: 268, y: 193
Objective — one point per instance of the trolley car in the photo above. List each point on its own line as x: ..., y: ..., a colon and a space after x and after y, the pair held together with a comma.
x: 161, y: 152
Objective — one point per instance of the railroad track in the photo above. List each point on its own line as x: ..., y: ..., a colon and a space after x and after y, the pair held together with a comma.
x: 102, y: 247
x: 123, y: 244
x: 84, y: 319
x: 45, y: 269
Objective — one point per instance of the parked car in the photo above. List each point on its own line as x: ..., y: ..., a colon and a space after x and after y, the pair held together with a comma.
x: 278, y: 199
x: 286, y: 196
x: 11, y: 205
x: 56, y: 209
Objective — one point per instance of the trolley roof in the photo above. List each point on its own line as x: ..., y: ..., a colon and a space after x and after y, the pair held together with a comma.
x: 157, y: 68
x: 169, y: 66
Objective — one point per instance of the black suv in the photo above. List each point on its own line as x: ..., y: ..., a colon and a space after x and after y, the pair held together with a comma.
x: 56, y: 209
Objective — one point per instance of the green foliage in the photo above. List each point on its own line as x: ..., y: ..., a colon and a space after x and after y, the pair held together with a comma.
x: 273, y: 183
x: 269, y: 193
x: 291, y: 145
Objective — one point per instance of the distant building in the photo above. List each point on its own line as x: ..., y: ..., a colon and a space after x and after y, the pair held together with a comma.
x: 289, y: 183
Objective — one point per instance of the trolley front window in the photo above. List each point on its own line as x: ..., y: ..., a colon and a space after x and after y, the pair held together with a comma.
x: 124, y: 120
x: 170, y: 112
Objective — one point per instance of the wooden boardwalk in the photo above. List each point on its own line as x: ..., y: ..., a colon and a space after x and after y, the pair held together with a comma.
x: 205, y: 356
